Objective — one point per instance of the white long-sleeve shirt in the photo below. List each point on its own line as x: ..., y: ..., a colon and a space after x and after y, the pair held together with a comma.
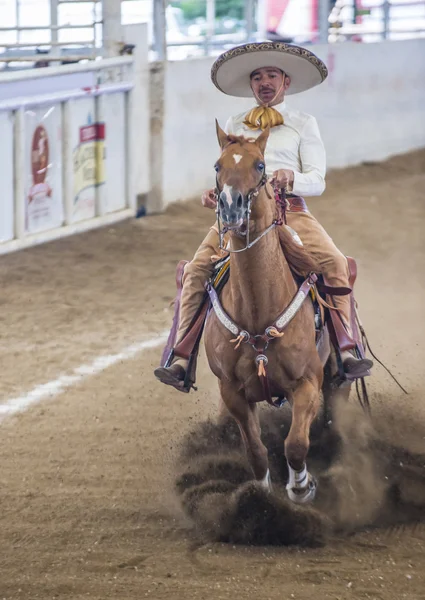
x: 295, y: 145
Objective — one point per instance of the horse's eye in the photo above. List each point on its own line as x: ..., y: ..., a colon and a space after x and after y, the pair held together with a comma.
x: 216, y: 168
x: 261, y: 166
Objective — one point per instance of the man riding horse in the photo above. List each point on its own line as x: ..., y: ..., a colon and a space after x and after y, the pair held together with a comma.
x: 295, y: 162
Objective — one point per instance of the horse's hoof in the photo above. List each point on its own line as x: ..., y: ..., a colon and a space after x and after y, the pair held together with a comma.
x: 303, y: 495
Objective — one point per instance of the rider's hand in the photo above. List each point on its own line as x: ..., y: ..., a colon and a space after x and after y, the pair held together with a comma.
x: 209, y: 199
x: 283, y: 178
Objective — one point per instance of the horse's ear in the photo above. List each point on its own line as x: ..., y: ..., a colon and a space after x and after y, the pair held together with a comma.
x: 261, y: 141
x: 221, y: 135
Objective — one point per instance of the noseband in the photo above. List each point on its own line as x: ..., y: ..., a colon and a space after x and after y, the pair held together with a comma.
x: 252, y: 195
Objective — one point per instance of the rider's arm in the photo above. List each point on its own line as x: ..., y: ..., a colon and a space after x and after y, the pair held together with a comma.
x: 311, y: 181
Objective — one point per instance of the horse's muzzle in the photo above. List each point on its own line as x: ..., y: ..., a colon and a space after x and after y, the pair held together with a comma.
x: 232, y: 207
x: 232, y: 225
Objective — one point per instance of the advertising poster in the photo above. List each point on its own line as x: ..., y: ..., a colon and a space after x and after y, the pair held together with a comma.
x: 43, y: 198
x: 89, y: 158
x: 6, y: 177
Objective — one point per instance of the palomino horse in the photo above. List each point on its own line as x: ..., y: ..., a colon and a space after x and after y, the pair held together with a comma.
x: 260, y: 287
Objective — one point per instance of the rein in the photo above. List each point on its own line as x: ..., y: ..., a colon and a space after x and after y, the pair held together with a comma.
x: 252, y: 194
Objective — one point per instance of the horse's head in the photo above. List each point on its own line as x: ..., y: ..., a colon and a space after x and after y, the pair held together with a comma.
x: 240, y: 176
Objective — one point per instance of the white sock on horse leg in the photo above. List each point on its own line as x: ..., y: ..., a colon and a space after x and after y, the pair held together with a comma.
x: 266, y: 482
x: 297, y: 479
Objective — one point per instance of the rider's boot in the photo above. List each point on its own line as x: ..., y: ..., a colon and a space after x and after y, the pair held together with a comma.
x: 353, y: 366
x: 336, y: 271
x: 174, y: 375
x: 196, y: 274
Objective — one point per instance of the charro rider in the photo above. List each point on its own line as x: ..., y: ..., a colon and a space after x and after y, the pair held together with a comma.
x: 295, y: 161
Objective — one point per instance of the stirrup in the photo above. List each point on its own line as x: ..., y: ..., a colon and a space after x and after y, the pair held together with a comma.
x: 360, y: 368
x: 168, y: 377
x: 186, y: 383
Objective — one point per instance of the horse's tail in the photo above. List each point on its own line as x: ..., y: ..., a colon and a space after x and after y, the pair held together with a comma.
x: 297, y: 256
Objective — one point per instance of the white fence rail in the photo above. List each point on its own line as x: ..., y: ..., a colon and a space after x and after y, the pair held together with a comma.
x: 68, y: 159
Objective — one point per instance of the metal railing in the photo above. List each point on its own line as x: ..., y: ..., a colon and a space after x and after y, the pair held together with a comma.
x: 46, y: 45
x: 373, y: 21
x: 343, y: 20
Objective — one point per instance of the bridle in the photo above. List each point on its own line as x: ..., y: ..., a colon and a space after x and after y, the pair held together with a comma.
x: 252, y: 195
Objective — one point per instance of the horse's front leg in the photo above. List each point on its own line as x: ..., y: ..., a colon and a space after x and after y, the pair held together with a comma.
x: 246, y: 416
x: 301, y: 485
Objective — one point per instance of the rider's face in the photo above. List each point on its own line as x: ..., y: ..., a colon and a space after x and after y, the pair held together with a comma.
x: 266, y: 82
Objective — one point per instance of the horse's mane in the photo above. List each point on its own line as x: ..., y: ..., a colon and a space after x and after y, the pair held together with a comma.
x: 297, y: 256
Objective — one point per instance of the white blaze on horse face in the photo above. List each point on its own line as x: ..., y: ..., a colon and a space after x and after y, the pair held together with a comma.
x: 227, y: 190
x: 237, y: 158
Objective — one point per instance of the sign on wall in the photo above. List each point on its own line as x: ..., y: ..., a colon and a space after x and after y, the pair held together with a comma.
x: 89, y: 168
x: 6, y: 177
x: 43, y: 152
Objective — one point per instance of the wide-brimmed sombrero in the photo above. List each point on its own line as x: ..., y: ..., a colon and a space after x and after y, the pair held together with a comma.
x: 230, y: 72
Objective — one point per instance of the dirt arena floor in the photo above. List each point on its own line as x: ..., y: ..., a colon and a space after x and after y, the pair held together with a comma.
x: 87, y: 496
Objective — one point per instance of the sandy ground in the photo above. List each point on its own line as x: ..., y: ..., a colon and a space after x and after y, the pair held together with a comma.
x: 86, y: 480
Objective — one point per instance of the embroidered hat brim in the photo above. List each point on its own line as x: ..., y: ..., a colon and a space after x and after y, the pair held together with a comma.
x: 231, y: 71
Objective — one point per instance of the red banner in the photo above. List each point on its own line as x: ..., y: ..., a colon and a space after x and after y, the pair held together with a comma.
x: 92, y: 133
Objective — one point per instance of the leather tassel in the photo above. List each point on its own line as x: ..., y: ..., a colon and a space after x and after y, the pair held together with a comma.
x: 261, y: 368
x: 238, y: 341
x: 274, y: 333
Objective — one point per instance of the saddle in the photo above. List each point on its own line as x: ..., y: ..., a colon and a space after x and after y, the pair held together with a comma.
x: 328, y: 322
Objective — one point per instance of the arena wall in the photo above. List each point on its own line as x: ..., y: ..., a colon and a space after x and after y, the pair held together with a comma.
x: 370, y: 107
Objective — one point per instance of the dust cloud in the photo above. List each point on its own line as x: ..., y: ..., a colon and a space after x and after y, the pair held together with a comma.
x: 365, y: 481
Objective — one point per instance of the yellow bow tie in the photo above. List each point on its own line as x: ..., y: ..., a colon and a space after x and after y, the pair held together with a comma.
x: 262, y: 117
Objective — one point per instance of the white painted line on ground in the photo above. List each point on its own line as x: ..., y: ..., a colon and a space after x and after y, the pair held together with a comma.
x: 59, y: 385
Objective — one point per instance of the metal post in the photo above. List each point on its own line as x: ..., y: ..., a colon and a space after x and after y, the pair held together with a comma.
x: 54, y: 34
x: 262, y: 19
x: 324, y: 11
x: 18, y: 21
x: 249, y: 18
x: 159, y: 29
x: 386, y: 19
x: 155, y: 202
x: 19, y: 175
x: 112, y: 30
x: 138, y: 122
x: 68, y: 162
x: 157, y: 108
x: 210, y: 24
